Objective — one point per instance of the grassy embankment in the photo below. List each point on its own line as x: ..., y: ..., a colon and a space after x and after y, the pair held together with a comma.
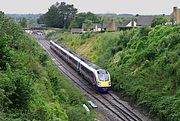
x: 31, y: 87
x: 144, y: 63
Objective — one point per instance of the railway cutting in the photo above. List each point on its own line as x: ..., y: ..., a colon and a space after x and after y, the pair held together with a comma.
x: 109, y: 106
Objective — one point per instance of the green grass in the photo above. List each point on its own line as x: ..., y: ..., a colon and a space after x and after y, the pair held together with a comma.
x: 144, y: 63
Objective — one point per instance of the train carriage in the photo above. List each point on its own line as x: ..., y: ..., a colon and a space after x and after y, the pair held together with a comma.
x: 91, y: 72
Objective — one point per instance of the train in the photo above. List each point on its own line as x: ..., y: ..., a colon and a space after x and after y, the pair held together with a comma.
x: 97, y: 76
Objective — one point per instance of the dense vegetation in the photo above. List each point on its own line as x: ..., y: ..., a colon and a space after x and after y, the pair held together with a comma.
x: 31, y: 88
x: 144, y: 63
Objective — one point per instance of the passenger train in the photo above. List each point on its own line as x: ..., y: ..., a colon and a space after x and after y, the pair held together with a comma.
x: 94, y: 74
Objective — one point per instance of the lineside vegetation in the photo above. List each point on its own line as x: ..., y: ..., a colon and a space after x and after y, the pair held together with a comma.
x: 31, y: 88
x: 144, y: 63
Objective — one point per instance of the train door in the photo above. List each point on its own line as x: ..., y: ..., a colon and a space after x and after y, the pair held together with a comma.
x: 67, y: 58
x: 94, y: 80
x: 60, y: 53
x: 78, y: 66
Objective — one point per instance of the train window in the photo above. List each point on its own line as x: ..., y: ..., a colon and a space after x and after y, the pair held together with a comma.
x: 88, y: 73
x: 63, y: 53
x: 72, y: 61
x: 103, y: 75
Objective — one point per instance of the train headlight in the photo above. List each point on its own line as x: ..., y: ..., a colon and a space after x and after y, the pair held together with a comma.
x: 109, y: 83
x: 98, y: 83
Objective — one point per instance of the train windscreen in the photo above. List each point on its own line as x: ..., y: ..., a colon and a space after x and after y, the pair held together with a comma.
x: 103, y: 75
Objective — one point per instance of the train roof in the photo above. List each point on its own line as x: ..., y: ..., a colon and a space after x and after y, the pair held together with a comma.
x: 78, y: 56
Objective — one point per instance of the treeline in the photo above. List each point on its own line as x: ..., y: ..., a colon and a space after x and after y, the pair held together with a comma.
x: 144, y: 63
x: 29, y: 18
x: 31, y: 88
x: 62, y: 15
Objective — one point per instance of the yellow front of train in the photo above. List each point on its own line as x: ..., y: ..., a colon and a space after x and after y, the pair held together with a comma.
x: 103, y: 80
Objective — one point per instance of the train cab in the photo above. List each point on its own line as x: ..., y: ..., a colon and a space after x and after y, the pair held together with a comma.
x: 103, y: 80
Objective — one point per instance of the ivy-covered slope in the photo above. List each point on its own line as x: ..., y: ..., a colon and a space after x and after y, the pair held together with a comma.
x: 144, y: 63
x: 31, y: 88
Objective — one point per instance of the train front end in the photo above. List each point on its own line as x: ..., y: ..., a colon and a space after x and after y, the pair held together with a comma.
x: 103, y: 80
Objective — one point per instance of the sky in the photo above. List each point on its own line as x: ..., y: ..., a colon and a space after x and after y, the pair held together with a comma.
x: 142, y: 7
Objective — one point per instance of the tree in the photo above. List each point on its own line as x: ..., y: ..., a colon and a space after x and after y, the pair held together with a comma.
x: 23, y: 22
x: 59, y: 15
x: 4, y: 51
x: 159, y: 20
x: 51, y: 17
x: 41, y: 19
x: 87, y: 24
x: 4, y: 38
x: 80, y: 19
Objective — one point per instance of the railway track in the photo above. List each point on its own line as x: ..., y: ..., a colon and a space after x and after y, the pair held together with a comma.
x: 121, y: 111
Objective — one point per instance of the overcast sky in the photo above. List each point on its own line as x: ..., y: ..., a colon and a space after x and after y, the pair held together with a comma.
x: 95, y: 6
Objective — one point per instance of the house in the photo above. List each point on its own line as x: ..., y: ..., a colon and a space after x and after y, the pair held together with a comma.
x: 128, y: 24
x: 144, y: 20
x: 96, y: 27
x: 76, y: 30
x: 175, y: 16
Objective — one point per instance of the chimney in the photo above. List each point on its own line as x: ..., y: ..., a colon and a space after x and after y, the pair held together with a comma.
x: 174, y: 9
x: 175, y: 14
x: 132, y: 22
